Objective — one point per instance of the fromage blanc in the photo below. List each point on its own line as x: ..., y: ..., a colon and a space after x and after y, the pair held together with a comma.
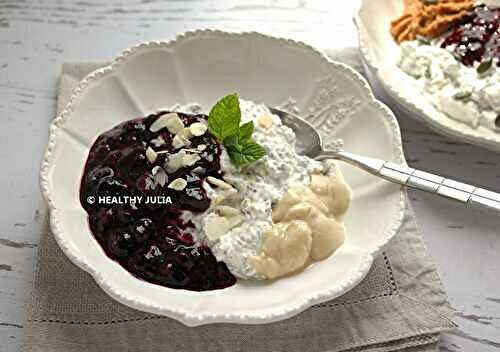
x: 458, y: 69
x: 277, y: 215
x: 459, y: 91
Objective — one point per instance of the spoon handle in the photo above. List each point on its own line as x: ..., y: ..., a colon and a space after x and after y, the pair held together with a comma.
x: 421, y: 180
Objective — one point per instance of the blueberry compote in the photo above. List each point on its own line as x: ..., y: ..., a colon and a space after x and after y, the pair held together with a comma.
x: 152, y: 241
x: 477, y: 38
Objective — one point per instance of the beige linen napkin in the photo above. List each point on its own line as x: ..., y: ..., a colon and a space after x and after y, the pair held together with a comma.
x: 400, y: 305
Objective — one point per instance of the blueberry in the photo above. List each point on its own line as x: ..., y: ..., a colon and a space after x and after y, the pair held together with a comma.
x: 120, y: 243
x: 151, y: 241
x: 179, y: 276
x: 167, y: 244
x: 166, y: 269
x: 112, y: 157
x: 185, y: 238
x: 137, y: 264
x: 142, y: 229
x: 100, y: 173
x: 112, y: 187
x: 101, y: 220
x: 171, y: 231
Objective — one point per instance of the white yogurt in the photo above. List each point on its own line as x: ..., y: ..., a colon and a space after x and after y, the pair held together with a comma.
x: 258, y: 186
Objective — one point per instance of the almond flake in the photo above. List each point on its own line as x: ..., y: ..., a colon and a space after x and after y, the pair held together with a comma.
x: 175, y: 161
x: 151, y: 155
x: 199, y: 170
x: 215, y: 227
x: 191, y: 150
x: 179, y: 141
x: 185, y: 133
x: 198, y: 129
x: 219, y: 183
x: 228, y: 211
x: 171, y: 121
x: 201, y: 147
x: 158, y: 141
x: 160, y: 176
x: 190, y: 159
x: 265, y: 121
x: 178, y: 184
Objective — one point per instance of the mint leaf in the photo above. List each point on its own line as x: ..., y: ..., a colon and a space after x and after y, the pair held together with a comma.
x: 224, y: 124
x: 246, y: 131
x: 225, y: 116
x: 244, y: 135
x: 241, y: 154
x: 233, y: 140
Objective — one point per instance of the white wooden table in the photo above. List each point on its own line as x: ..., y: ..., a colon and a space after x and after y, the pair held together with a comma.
x: 37, y: 37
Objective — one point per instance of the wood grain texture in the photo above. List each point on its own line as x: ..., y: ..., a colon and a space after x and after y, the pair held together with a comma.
x: 36, y: 37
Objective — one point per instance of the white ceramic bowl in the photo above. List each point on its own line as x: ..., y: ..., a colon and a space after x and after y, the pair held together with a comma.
x: 380, y: 53
x: 201, y: 67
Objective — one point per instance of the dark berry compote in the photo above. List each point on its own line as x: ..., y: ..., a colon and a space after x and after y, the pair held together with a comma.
x: 149, y: 240
x: 477, y: 38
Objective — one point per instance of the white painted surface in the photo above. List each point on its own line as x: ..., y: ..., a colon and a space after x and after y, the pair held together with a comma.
x: 36, y: 37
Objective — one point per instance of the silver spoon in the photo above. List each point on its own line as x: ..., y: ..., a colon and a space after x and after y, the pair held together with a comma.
x: 311, y: 145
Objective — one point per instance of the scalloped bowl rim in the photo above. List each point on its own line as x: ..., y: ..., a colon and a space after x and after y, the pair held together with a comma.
x: 187, y: 317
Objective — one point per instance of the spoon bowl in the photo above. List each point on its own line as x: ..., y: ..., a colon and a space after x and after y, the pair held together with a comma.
x: 309, y: 142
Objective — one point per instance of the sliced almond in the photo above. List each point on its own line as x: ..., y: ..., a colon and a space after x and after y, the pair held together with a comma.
x: 215, y: 227
x: 190, y: 159
x: 175, y: 125
x: 185, y: 133
x: 198, y: 129
x: 151, y: 155
x: 191, y: 150
x: 171, y: 121
x: 199, y: 170
x: 201, y: 147
x: 265, y: 121
x: 158, y: 141
x: 175, y: 161
x: 180, y: 141
x: 219, y: 183
x: 180, y: 159
x: 160, y: 176
x: 227, y: 211
x: 178, y: 184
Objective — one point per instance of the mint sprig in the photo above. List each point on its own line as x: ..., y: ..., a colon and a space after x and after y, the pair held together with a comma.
x: 246, y: 153
x: 224, y: 124
x: 245, y: 131
x: 224, y: 118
